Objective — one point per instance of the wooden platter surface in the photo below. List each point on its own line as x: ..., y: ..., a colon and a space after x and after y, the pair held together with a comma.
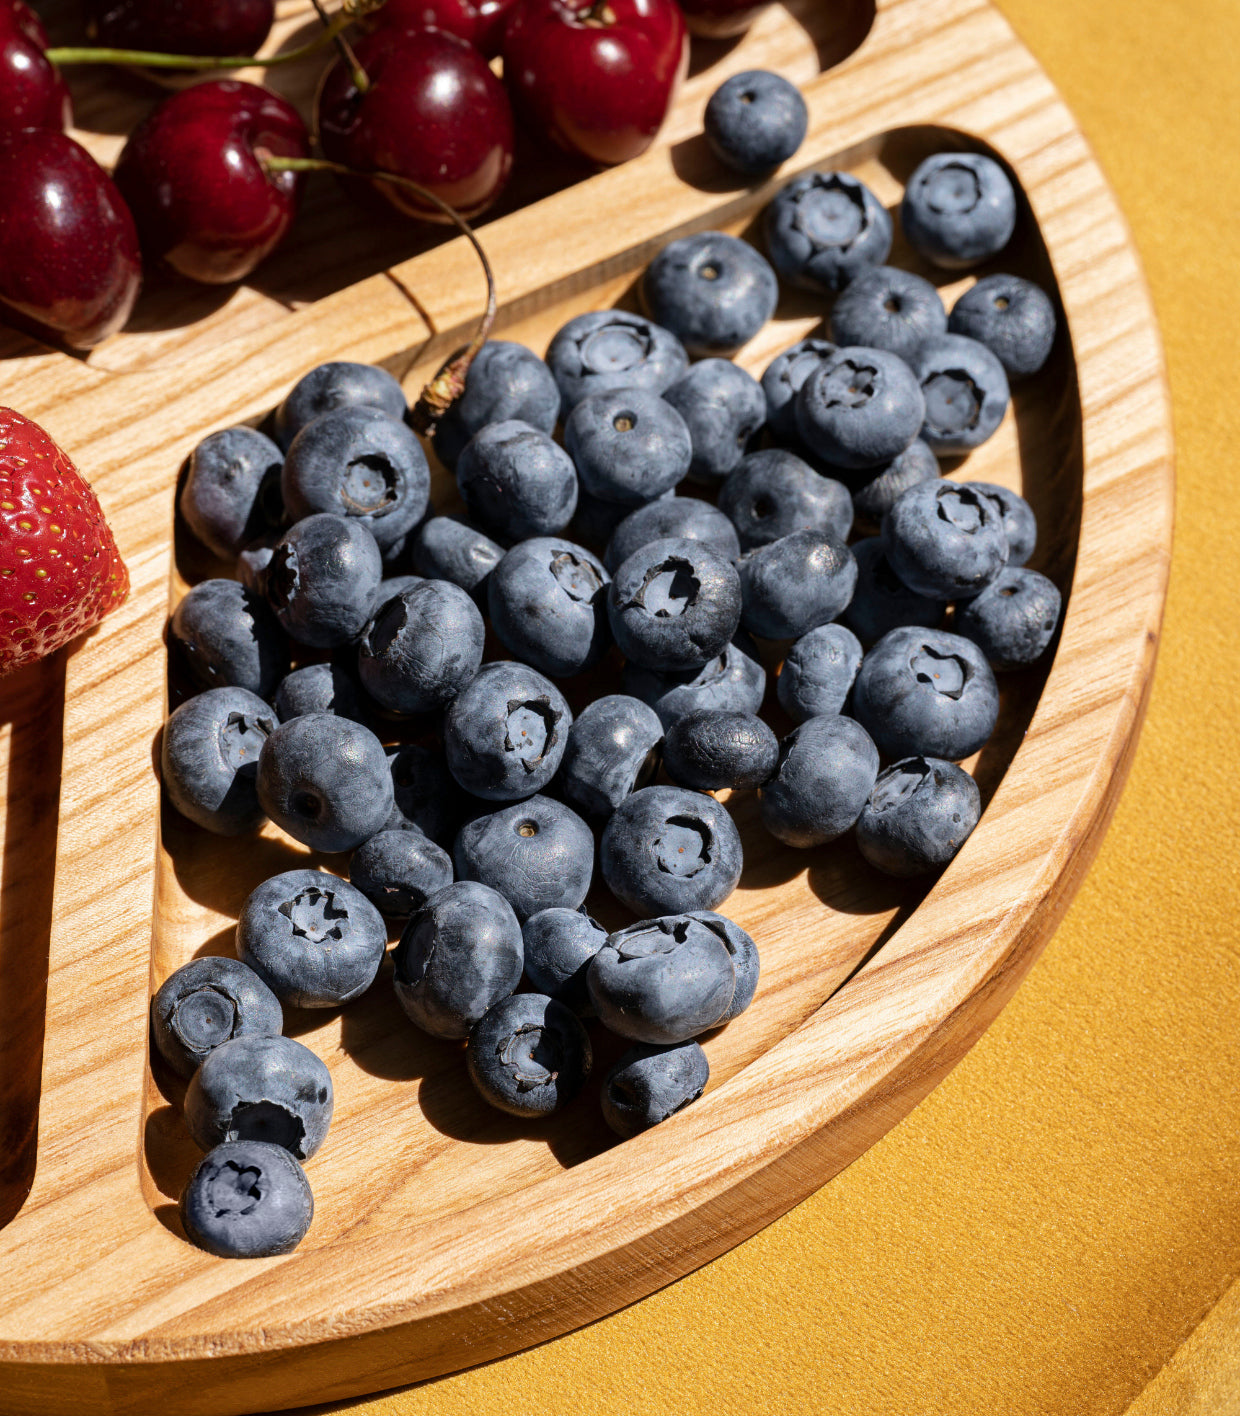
x: 447, y: 1234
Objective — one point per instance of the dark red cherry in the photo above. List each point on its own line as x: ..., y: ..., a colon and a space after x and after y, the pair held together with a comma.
x: 206, y: 27
x: 596, y: 76
x: 32, y: 91
x: 191, y: 174
x: 70, y: 269
x: 720, y: 19
x: 481, y: 22
x: 434, y: 112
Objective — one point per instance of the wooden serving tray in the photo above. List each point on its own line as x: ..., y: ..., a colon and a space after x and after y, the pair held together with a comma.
x: 447, y: 1234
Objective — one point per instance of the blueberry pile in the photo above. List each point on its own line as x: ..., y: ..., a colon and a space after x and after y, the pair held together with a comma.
x: 392, y: 683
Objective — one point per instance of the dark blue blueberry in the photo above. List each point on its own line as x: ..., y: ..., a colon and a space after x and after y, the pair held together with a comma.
x: 393, y: 585
x: 319, y: 688
x: 713, y: 749
x: 774, y: 493
x: 231, y: 494
x: 548, y: 603
x: 824, y: 229
x: 734, y: 679
x: 665, y: 850
x: 595, y: 520
x: 529, y: 1056
x: 881, y: 601
x: 517, y: 482
x: 253, y: 561
x: 874, y: 497
x: 784, y: 377
x: 421, y: 648
x: 650, y: 1083
x: 827, y: 768
x: 755, y: 120
x: 890, y: 309
x: 209, y: 759
x: 959, y: 209
x: 427, y: 797
x: 398, y: 870
x: 919, y: 814
x: 449, y: 548
x: 674, y: 604
x: 628, y: 445
x: 672, y: 518
x: 247, y: 1200
x: 205, y: 1003
x: 795, y: 584
x: 610, y: 349
x: 860, y: 408
x: 744, y: 959
x: 506, y: 381
x: 817, y: 676
x: 325, y: 780
x: 1013, y: 318
x: 723, y: 407
x: 945, y: 540
x: 337, y: 385
x: 323, y: 580
x: 559, y: 945
x: 1019, y: 523
x: 965, y: 390
x: 269, y: 1089
x: 315, y: 940
x: 1013, y: 620
x: 713, y: 291
x: 613, y: 750
x: 539, y: 854
x: 226, y: 637
x: 458, y: 956
x: 504, y: 735
x: 663, y: 980
x: 926, y: 692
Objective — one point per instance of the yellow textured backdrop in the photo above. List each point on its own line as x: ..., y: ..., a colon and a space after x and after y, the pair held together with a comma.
x: 1045, y: 1231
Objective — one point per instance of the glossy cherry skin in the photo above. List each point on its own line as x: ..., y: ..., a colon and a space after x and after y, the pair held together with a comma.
x: 70, y: 268
x: 596, y: 76
x: 434, y: 113
x: 32, y: 91
x: 720, y: 19
x: 181, y: 26
x: 481, y: 22
x: 201, y: 198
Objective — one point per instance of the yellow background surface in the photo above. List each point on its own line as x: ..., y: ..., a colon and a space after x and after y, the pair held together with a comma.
x: 1044, y: 1233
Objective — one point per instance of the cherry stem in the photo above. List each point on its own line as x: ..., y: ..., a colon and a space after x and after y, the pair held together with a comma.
x: 361, y: 79
x: 141, y: 58
x: 449, y: 383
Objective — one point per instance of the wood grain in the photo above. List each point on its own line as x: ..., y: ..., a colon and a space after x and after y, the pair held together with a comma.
x: 447, y: 1235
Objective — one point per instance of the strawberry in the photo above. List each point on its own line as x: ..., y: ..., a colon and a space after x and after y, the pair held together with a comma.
x: 60, y: 571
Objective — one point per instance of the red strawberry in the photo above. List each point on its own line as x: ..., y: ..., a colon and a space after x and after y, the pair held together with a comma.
x: 60, y: 571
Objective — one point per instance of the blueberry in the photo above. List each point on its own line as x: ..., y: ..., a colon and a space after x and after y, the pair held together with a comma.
x: 1019, y: 523
x: 421, y: 648
x: 610, y: 349
x: 548, y: 603
x: 559, y: 945
x: 226, y: 638
x: 449, y: 548
x: 672, y: 518
x: 755, y: 120
x: 595, y: 520
x: 817, y: 676
x: 723, y: 407
x: 663, y: 980
x: 397, y: 871
x: 392, y: 585
x: 744, y: 959
x: 628, y: 445
x: 261, y: 1089
x: 665, y: 850
x: 827, y: 768
x: 323, y: 580
x: 860, y: 408
x: 919, y: 814
x: 945, y: 540
x: 337, y: 385
x: 505, y: 733
x: 774, y: 493
x: 882, y: 601
x: 714, y: 748
x: 713, y: 291
x: 959, y: 209
x: 529, y: 1055
x: 795, y: 584
x: 890, y: 309
x: 231, y: 494
x: 735, y: 679
x: 650, y: 1083
x: 506, y: 381
x: 784, y: 377
x: 824, y: 229
x: 205, y: 1003
x: 874, y: 497
x: 924, y: 691
x: 965, y: 390
x: 426, y: 794
x: 253, y: 560
x: 247, y: 1200
x: 325, y: 780
x: 517, y: 482
x: 1013, y: 620
x: 539, y: 854
x: 674, y: 604
x: 209, y: 759
x: 1013, y: 318
x: 319, y: 688
x: 613, y: 750
x: 459, y: 955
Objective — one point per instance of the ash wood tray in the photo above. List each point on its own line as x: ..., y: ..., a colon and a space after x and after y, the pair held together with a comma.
x: 447, y: 1234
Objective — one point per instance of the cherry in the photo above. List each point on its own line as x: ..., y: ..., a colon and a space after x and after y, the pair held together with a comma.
x: 181, y: 26
x: 720, y: 19
x: 70, y: 268
x: 32, y: 91
x: 481, y: 22
x: 597, y: 76
x: 433, y: 112
x: 192, y: 175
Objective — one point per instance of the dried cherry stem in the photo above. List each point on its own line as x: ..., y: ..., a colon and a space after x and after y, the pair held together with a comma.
x: 449, y: 383
x: 361, y: 79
